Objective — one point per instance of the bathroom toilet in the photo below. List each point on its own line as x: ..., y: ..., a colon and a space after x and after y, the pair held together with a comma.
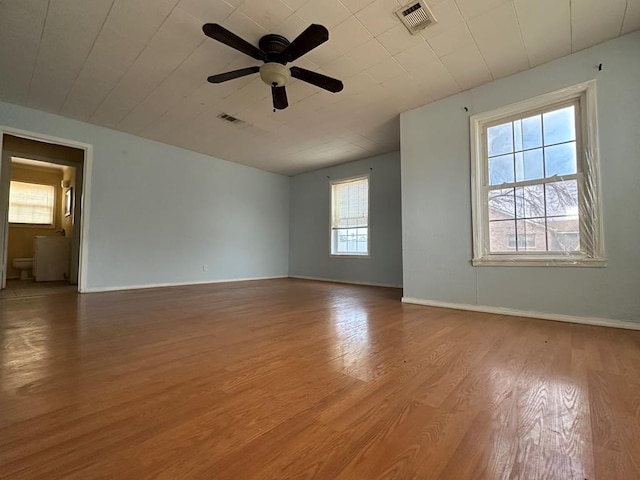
x: 24, y: 265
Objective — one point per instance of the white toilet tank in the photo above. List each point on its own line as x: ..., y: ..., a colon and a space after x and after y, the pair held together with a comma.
x: 51, y: 258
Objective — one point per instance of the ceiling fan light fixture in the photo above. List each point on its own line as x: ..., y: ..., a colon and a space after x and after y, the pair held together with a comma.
x: 275, y: 74
x: 275, y: 51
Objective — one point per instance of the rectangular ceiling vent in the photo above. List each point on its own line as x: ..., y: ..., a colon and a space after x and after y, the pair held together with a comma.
x: 415, y: 16
x: 228, y: 118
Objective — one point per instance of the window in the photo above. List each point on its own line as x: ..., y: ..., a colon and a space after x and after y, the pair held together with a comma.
x: 350, y: 217
x: 535, y: 182
x: 31, y: 203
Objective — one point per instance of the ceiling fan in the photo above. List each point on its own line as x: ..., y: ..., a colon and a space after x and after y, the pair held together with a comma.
x: 275, y: 51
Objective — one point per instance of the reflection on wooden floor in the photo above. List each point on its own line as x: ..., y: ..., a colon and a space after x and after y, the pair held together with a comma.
x: 293, y: 379
x: 31, y: 288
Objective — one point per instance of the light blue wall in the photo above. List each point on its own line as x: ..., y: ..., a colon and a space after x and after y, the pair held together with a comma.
x: 158, y: 213
x: 310, y: 216
x: 436, y: 195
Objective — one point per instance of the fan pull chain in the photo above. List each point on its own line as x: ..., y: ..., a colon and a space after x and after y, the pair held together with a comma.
x: 274, y: 85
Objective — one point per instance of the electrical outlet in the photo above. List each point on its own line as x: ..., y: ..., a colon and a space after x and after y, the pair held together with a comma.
x: 205, y: 268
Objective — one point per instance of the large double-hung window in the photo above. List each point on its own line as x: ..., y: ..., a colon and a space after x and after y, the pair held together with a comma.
x: 535, y: 180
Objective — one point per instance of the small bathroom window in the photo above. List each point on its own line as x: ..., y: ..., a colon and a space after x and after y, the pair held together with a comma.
x: 31, y: 203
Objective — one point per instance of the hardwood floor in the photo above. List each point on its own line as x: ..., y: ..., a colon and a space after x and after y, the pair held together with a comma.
x: 293, y: 379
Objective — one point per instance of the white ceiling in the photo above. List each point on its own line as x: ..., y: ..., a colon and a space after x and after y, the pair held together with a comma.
x: 140, y: 66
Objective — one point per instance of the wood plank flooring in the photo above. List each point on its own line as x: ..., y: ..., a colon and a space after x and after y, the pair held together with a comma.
x: 293, y: 379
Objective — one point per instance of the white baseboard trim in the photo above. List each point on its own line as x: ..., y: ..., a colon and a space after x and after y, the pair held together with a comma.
x: 600, y: 322
x: 174, y: 284
x: 349, y: 282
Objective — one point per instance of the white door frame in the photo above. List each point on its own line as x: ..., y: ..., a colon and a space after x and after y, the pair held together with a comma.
x: 5, y: 180
x: 86, y: 198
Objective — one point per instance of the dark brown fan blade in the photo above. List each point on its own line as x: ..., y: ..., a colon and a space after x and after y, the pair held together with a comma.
x: 221, y: 34
x: 223, y: 77
x: 280, y: 101
x: 317, y: 79
x: 313, y: 36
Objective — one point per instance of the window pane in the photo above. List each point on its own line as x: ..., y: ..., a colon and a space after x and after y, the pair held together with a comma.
x: 560, y: 159
x: 501, y: 204
x: 532, y: 132
x: 341, y: 245
x: 530, y: 201
x: 520, y: 235
x: 517, y: 135
x: 562, y: 198
x: 31, y: 203
x: 527, y: 233
x: 532, y: 235
x: 563, y: 234
x: 499, y: 233
x: 500, y: 139
x: 362, y: 240
x: 501, y: 170
x: 560, y: 126
x: 352, y: 235
x: 529, y: 165
x: 352, y: 241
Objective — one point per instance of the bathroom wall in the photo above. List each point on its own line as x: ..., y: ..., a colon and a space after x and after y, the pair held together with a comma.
x: 68, y: 223
x: 68, y: 174
x: 21, y: 237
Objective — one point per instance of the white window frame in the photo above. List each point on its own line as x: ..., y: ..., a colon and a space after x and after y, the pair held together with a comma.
x: 35, y: 225
x: 588, y: 174
x: 348, y: 180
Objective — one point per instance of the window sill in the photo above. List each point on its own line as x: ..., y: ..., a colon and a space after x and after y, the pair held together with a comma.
x: 511, y: 261
x: 32, y: 225
x: 338, y: 255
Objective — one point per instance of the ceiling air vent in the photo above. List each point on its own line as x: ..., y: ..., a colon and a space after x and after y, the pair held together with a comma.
x: 415, y: 16
x: 229, y: 118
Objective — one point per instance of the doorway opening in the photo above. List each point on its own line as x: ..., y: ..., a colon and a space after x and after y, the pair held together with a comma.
x: 42, y: 186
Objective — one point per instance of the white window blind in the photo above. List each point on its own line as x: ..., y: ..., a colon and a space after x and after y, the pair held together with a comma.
x: 350, y: 217
x: 31, y: 203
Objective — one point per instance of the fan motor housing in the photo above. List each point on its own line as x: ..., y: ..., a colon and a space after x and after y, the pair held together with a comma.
x: 275, y: 74
x: 273, y: 45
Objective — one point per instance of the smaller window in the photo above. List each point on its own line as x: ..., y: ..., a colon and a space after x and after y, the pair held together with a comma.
x: 31, y: 203
x: 350, y: 217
